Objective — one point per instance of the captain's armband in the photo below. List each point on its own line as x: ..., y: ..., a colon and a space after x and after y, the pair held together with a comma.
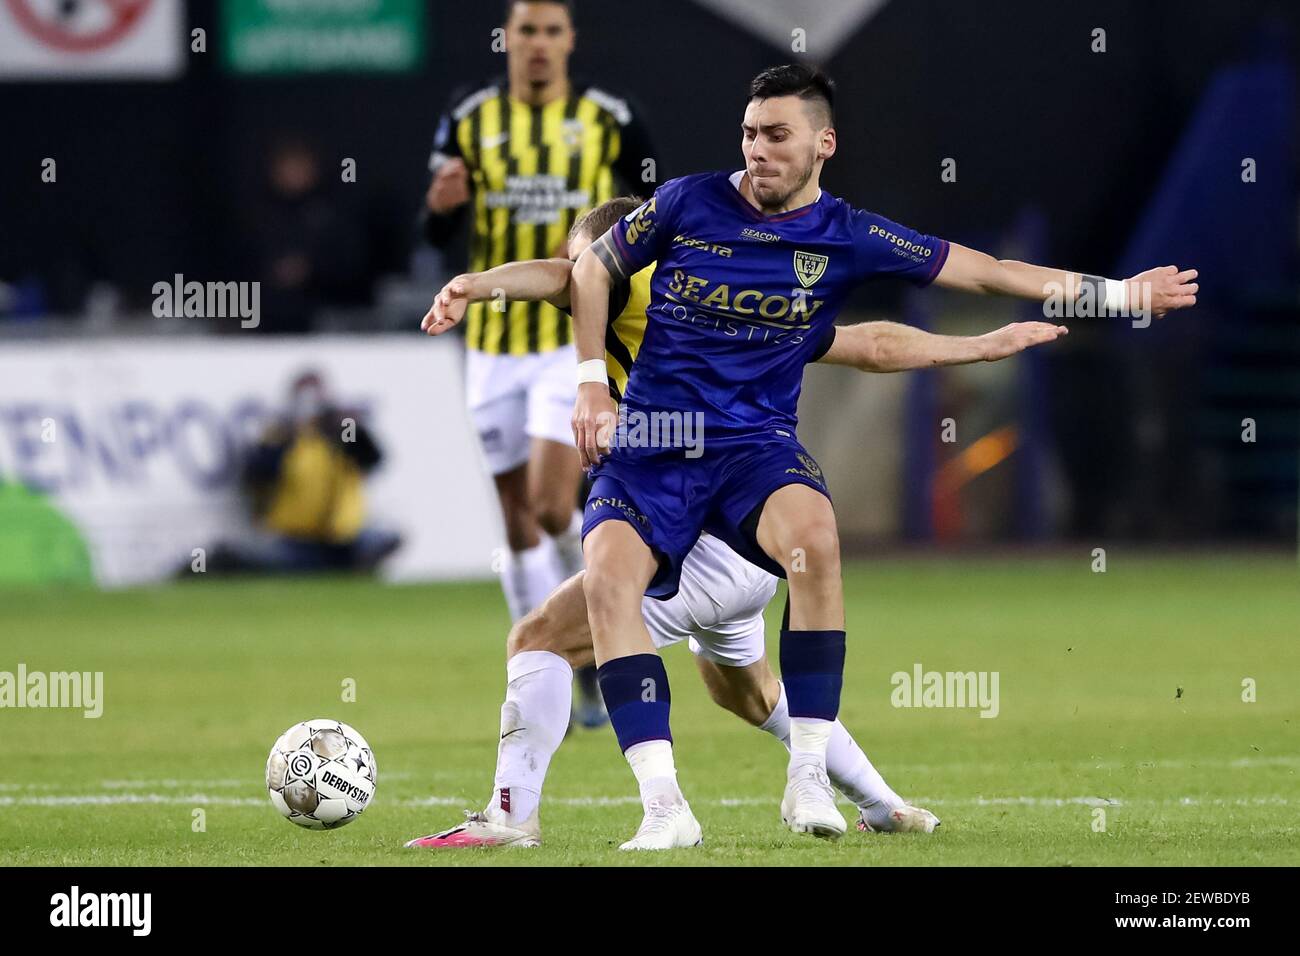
x: 606, y: 251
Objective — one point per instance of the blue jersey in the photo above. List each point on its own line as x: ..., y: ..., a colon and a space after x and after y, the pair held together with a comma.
x: 741, y: 302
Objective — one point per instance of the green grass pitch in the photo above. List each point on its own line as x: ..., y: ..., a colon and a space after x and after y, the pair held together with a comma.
x: 1120, y: 692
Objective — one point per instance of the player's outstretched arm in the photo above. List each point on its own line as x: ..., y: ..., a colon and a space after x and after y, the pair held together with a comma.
x: 1157, y: 291
x: 594, y: 413
x: 891, y: 347
x: 529, y: 281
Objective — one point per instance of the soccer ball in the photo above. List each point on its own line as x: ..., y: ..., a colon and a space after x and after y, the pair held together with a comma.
x: 321, y: 774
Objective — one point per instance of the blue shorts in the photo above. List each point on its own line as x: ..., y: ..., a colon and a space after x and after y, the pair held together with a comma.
x: 669, y: 499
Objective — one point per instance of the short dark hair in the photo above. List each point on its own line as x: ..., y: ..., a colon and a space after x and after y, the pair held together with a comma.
x: 596, y: 222
x: 510, y: 6
x: 809, y: 83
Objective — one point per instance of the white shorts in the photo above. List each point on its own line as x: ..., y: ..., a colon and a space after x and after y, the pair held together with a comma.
x: 513, y: 398
x: 718, y: 607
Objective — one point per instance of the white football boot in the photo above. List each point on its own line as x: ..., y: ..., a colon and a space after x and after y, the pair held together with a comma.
x: 485, y: 829
x: 809, y: 804
x: 904, y: 819
x: 668, y: 824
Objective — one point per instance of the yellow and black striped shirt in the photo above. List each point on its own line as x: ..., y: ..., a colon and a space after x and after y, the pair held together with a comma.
x: 534, y: 170
x: 626, y: 330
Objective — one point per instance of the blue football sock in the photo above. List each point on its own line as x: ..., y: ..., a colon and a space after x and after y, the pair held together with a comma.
x: 636, y: 695
x: 812, y: 668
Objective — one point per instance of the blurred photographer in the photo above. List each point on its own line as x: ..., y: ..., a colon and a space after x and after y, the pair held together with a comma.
x: 306, y: 479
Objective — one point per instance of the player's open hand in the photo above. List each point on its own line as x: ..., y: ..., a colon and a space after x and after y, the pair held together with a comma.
x: 1018, y: 336
x: 449, y: 306
x: 1163, y: 289
x: 450, y: 187
x: 594, y: 418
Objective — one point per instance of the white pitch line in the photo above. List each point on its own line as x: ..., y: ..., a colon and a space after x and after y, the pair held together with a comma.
x: 1107, y: 802
x: 896, y: 769
x: 114, y: 799
x: 173, y: 783
x: 170, y: 784
x: 1238, y: 763
x: 109, y: 799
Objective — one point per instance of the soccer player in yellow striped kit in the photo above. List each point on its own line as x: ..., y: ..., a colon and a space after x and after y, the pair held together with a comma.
x: 523, y: 157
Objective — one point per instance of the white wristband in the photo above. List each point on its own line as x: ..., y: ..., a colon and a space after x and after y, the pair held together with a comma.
x: 1116, y: 296
x: 593, y: 370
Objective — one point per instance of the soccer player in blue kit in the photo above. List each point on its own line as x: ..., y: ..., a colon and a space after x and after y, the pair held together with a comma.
x: 752, y: 269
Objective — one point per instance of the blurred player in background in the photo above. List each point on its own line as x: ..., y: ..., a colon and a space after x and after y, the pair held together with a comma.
x: 524, y: 156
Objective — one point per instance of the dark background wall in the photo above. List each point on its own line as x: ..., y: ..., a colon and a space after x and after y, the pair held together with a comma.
x: 163, y: 177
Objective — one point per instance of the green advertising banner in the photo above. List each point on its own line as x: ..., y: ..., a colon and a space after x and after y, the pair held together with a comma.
x: 317, y: 36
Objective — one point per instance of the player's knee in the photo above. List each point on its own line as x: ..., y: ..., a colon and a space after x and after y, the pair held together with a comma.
x: 530, y: 633
x: 521, y: 529
x: 555, y: 514
x: 814, y: 551
x: 607, y: 591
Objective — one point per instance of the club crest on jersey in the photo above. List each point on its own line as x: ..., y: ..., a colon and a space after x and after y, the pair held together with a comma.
x: 808, y: 267
x: 809, y: 469
x: 808, y: 463
x: 640, y: 221
x: 571, y: 131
